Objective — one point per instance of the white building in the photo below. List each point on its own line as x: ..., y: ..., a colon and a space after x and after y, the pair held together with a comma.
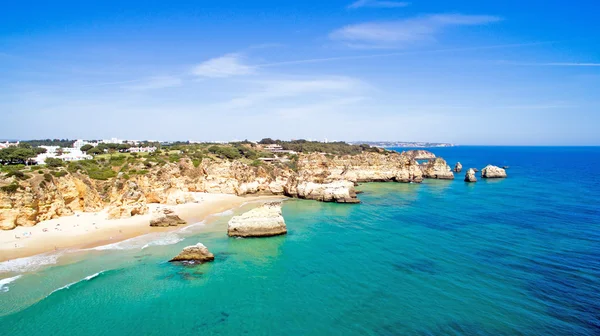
x: 142, y: 149
x: 50, y: 149
x: 8, y: 144
x: 112, y: 141
x: 70, y: 154
x: 80, y: 143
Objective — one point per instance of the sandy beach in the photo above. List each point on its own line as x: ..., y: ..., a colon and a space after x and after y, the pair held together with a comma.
x: 85, y: 230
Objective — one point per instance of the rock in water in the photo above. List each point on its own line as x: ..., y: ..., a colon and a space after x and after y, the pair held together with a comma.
x: 437, y: 169
x: 336, y: 191
x: 166, y: 217
x: 470, y: 176
x: 493, y: 172
x: 198, y: 253
x: 264, y: 221
x: 458, y: 167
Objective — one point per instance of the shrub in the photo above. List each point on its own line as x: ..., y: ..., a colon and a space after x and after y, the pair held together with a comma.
x: 17, y: 174
x: 40, y: 172
x: 10, y: 189
x: 101, y: 174
x: 60, y: 173
x: 196, y: 162
x: 257, y: 163
x: 54, y: 163
x: 47, y: 177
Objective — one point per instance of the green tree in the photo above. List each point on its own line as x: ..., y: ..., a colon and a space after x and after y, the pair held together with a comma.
x: 95, y: 151
x: 54, y: 163
x: 86, y: 148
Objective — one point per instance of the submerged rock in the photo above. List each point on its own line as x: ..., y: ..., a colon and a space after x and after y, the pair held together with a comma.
x: 197, y: 253
x: 264, y: 221
x: 493, y: 172
x: 470, y: 176
x: 458, y: 167
x: 166, y: 217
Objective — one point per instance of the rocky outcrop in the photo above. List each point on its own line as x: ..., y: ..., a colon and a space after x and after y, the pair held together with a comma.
x: 419, y: 154
x: 264, y: 221
x: 131, y: 202
x: 337, y: 191
x: 470, y: 176
x: 194, y: 253
x: 457, y: 167
x: 493, y: 172
x: 437, y: 169
x: 166, y: 217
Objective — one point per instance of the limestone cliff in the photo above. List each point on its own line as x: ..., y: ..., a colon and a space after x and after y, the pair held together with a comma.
x: 312, y: 176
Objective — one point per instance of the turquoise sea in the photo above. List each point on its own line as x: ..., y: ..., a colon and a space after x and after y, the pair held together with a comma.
x: 517, y: 256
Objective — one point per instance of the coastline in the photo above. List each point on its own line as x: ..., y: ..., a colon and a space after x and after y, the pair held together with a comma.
x: 88, y: 230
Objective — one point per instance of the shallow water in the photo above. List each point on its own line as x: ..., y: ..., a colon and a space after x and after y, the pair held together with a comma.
x: 500, y: 257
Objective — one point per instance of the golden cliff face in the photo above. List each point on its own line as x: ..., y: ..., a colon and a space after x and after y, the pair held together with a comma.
x: 315, y: 176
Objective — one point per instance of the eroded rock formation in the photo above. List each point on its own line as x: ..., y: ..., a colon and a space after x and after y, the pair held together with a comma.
x: 438, y: 169
x: 166, y: 217
x: 458, y: 167
x: 470, y: 176
x: 493, y: 172
x: 194, y: 253
x: 264, y: 221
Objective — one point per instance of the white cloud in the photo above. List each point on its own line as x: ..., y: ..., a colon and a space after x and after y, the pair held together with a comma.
x: 225, y: 66
x: 158, y: 82
x: 401, y: 33
x: 377, y: 4
x: 275, y: 90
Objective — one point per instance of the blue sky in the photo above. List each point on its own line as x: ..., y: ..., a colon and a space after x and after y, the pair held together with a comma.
x: 468, y: 72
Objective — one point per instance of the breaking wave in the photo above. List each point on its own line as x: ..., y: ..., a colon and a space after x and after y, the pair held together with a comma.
x: 142, y: 242
x: 29, y: 264
x: 168, y: 239
x: 87, y: 278
x: 4, y: 283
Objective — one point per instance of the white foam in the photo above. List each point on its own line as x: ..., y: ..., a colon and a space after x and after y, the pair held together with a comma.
x: 142, y: 242
x: 187, y: 228
x: 87, y: 278
x: 4, y: 283
x: 224, y: 213
x: 29, y: 264
x: 168, y: 239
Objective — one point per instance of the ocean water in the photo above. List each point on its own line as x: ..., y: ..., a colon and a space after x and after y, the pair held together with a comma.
x: 517, y: 256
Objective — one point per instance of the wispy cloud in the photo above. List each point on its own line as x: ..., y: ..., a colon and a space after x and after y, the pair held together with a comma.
x: 402, y: 33
x: 377, y: 4
x: 401, y: 53
x: 557, y: 64
x: 158, y: 82
x: 271, y: 90
x: 221, y: 67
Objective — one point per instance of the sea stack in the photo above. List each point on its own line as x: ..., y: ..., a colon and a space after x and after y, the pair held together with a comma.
x: 437, y: 169
x: 194, y: 253
x: 264, y: 221
x: 470, y: 176
x: 493, y: 172
x: 166, y: 217
x: 458, y: 167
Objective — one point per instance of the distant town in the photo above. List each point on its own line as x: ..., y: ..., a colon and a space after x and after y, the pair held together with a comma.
x: 409, y: 144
